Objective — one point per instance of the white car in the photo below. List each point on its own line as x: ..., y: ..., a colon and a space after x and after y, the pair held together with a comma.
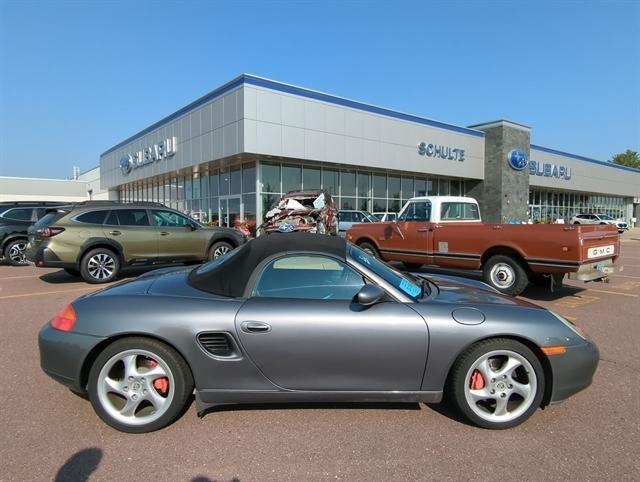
x: 599, y: 219
x: 383, y: 216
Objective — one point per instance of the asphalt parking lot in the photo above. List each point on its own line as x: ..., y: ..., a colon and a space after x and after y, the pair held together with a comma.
x: 48, y: 432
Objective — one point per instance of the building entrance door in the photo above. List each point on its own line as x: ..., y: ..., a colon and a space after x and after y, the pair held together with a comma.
x: 230, y: 211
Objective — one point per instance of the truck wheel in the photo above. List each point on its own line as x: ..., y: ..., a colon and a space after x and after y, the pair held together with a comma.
x: 369, y: 248
x: 505, y: 274
x: 412, y: 266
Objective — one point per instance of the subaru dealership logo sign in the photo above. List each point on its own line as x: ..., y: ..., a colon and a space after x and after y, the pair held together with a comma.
x: 517, y: 159
x: 156, y: 152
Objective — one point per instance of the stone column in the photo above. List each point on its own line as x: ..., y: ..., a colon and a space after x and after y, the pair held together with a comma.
x: 503, y: 195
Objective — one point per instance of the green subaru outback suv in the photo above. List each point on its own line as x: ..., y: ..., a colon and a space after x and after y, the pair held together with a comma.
x: 96, y: 239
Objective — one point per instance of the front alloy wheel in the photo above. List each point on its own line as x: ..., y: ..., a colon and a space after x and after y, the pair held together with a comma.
x: 219, y: 249
x: 139, y: 385
x: 16, y: 252
x: 497, y: 383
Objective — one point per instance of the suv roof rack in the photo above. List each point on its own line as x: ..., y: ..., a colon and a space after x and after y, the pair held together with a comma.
x: 115, y: 203
x: 33, y: 203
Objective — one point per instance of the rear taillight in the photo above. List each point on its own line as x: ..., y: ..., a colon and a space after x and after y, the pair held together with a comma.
x: 51, y: 232
x: 65, y: 319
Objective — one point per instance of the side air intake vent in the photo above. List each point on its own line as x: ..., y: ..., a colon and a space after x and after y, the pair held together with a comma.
x: 218, y: 344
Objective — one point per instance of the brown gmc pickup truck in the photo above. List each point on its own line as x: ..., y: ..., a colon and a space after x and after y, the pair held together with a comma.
x: 446, y: 231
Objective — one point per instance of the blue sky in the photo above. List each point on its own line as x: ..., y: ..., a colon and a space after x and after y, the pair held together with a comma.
x: 78, y: 77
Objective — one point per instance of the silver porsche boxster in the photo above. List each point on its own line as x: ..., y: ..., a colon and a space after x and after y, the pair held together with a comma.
x: 306, y: 318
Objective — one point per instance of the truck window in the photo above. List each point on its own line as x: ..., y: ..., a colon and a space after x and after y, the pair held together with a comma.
x: 417, y: 211
x: 457, y: 211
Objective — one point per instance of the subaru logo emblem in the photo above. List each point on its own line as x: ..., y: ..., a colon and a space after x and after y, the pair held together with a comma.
x: 517, y: 159
x: 286, y: 228
x: 126, y: 164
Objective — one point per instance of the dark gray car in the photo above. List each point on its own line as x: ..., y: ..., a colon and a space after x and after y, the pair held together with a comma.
x: 304, y: 318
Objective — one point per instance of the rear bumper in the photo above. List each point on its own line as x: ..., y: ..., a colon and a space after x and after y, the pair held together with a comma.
x: 595, y: 270
x: 43, y: 257
x: 573, y: 371
x: 62, y: 355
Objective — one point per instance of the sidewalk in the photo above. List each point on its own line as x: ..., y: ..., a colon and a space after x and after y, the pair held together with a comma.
x: 632, y: 235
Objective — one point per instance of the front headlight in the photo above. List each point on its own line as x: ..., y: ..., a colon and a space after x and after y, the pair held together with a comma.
x: 572, y: 326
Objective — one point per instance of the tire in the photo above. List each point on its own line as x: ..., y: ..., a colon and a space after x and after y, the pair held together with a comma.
x: 576, y: 222
x: 100, y: 265
x: 517, y: 393
x: 505, y: 274
x: 369, y: 248
x: 412, y: 266
x: 150, y: 402
x: 14, y: 252
x: 72, y: 271
x: 218, y: 249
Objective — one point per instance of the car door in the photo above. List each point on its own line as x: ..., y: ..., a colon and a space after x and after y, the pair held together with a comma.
x: 132, y: 230
x: 178, y: 236
x: 302, y: 329
x: 411, y: 235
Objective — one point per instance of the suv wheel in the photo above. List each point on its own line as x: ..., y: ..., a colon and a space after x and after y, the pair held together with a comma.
x: 14, y: 253
x: 99, y: 265
x: 219, y: 249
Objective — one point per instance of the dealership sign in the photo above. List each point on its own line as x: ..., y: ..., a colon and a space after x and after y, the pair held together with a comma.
x: 156, y: 152
x: 517, y: 159
x: 546, y: 169
x: 444, y: 152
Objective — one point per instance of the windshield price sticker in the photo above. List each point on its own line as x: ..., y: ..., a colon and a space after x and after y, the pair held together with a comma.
x: 600, y: 251
x: 409, y: 288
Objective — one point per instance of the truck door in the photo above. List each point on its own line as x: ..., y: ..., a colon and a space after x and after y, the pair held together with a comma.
x: 456, y: 237
x: 410, y: 237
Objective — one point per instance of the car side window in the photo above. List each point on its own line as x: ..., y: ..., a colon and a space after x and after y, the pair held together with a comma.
x: 346, y: 217
x: 171, y: 220
x: 92, y: 217
x: 129, y: 217
x: 456, y: 211
x: 311, y: 277
x: 417, y: 211
x: 19, y: 214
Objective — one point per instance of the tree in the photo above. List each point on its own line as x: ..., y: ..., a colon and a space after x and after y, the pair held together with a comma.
x: 629, y: 158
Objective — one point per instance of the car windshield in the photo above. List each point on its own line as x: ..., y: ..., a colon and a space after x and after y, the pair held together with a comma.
x: 372, y: 219
x: 414, y: 288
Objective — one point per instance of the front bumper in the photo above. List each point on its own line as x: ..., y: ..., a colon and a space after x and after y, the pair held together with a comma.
x: 573, y: 371
x: 595, y: 270
x: 62, y: 355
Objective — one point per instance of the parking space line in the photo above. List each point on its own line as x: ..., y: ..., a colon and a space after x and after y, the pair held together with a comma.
x: 25, y: 295
x: 21, y: 277
x: 624, y: 276
x: 614, y: 293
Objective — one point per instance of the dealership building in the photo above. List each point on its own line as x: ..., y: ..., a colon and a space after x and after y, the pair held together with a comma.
x: 231, y: 154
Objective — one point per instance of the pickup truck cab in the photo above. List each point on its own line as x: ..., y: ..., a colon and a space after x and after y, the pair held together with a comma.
x: 447, y: 231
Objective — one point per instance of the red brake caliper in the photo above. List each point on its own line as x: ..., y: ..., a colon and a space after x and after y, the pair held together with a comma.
x: 477, y: 381
x: 160, y: 384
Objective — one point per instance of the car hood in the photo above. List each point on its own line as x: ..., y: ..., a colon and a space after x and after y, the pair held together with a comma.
x: 457, y: 290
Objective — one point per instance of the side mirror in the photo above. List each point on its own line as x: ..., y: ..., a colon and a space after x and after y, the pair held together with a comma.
x: 370, y: 295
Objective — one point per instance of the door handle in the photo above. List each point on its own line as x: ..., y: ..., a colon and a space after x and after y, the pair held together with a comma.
x: 255, y: 327
x: 115, y: 233
x: 164, y: 233
x: 423, y: 230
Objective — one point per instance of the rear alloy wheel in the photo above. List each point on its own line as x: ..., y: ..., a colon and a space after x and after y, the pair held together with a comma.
x: 497, y: 383
x: 219, y: 249
x: 505, y: 274
x: 100, y: 265
x: 15, y: 252
x: 139, y: 385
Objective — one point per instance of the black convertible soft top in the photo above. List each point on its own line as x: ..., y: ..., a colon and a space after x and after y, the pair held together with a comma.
x: 228, y: 276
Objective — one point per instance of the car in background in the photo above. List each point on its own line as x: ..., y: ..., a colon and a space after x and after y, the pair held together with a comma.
x: 96, y: 239
x: 349, y: 217
x: 302, y: 211
x: 600, y: 219
x: 304, y: 318
x: 385, y: 216
x: 15, y: 219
